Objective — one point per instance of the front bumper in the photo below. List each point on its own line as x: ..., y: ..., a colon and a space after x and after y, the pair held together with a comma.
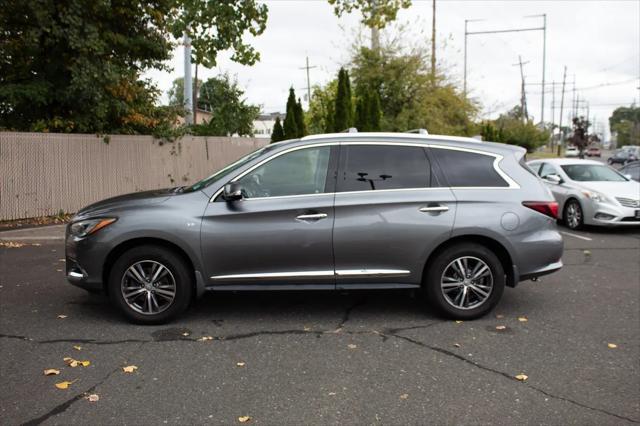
x: 82, y: 270
x: 608, y: 214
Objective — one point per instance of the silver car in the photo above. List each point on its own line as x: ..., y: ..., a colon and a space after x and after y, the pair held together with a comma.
x: 453, y: 217
x: 590, y: 193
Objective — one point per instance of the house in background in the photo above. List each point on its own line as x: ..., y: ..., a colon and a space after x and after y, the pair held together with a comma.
x: 263, y: 125
x: 202, y: 117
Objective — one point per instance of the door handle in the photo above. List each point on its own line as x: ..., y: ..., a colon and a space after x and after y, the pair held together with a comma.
x: 312, y: 216
x: 434, y: 209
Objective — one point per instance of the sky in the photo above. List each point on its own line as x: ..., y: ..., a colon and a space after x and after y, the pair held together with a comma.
x: 598, y: 42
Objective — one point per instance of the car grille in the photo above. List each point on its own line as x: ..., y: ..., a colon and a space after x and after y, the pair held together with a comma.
x: 628, y: 202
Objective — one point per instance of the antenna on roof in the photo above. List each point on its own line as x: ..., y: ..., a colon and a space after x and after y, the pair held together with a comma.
x: 350, y: 130
x: 419, y: 131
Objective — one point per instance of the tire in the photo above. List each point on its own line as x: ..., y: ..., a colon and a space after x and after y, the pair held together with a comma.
x: 444, y: 267
x: 573, y: 216
x: 147, y: 260
x: 609, y: 161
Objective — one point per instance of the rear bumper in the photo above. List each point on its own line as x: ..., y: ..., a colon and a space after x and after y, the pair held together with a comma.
x: 545, y: 270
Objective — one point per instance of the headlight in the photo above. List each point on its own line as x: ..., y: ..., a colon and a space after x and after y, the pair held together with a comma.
x: 89, y: 226
x: 595, y: 196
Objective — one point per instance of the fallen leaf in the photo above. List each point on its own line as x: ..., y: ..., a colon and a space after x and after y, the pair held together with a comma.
x: 352, y: 346
x: 11, y: 244
x: 77, y: 348
x: 612, y: 345
x: 331, y: 393
x: 456, y: 345
x: 62, y: 260
x: 240, y: 364
x: 244, y: 419
x: 307, y: 328
x: 62, y: 316
x: 84, y: 363
x: 523, y: 319
x: 93, y: 398
x: 63, y: 385
x: 458, y: 322
x: 522, y: 377
x: 59, y: 270
x: 51, y: 372
x: 404, y: 396
x: 129, y: 368
x: 185, y: 334
x: 587, y: 252
x: 499, y: 316
x: 205, y: 338
x: 501, y: 327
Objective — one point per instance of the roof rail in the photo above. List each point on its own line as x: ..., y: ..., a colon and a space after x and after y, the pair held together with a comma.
x: 350, y: 130
x: 419, y: 131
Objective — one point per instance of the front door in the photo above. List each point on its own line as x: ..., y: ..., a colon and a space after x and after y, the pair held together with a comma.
x: 280, y: 233
x: 390, y: 213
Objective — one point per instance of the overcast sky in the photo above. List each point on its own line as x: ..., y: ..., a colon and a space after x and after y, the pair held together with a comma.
x: 598, y: 41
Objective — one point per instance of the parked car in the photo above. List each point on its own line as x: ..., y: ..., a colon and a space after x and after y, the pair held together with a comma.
x: 593, y: 151
x: 632, y: 171
x: 622, y: 156
x: 590, y: 193
x: 571, y: 151
x: 458, y: 219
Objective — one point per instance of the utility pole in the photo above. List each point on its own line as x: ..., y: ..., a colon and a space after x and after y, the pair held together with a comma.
x: 375, y: 32
x: 188, y: 99
x: 433, y: 42
x: 573, y: 100
x: 523, y: 93
x: 561, y: 141
x: 544, y: 64
x: 553, y: 112
x: 308, y: 80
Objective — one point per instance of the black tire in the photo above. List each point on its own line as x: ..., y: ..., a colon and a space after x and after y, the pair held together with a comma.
x: 433, y: 279
x: 571, y: 209
x: 178, y: 273
x: 609, y: 161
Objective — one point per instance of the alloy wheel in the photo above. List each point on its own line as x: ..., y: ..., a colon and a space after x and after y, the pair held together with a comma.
x: 148, y: 287
x: 466, y: 283
x: 574, y: 215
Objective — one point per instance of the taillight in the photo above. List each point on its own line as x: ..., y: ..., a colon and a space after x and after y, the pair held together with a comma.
x: 549, y: 208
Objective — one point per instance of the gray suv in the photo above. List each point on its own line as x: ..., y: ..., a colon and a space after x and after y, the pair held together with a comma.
x: 456, y: 218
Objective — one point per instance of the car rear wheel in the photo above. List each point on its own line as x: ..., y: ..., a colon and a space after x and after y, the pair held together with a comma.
x: 150, y: 284
x: 464, y: 281
x: 573, y: 216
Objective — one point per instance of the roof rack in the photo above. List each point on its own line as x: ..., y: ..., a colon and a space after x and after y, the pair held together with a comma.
x: 419, y: 131
x: 350, y: 130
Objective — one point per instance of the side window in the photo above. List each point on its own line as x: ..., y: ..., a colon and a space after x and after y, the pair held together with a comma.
x: 634, y: 172
x: 376, y: 167
x: 535, y: 167
x: 299, y: 172
x: 547, y: 169
x: 468, y: 169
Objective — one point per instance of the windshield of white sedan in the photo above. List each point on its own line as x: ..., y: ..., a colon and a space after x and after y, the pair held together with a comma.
x: 592, y: 173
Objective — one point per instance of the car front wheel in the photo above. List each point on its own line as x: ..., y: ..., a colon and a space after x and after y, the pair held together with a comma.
x: 465, y: 281
x: 150, y: 284
x: 573, y: 216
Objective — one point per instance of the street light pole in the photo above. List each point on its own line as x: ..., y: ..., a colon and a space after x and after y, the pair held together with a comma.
x: 188, y: 88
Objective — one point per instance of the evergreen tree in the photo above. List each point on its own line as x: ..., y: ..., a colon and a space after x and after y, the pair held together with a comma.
x: 290, y: 125
x: 343, y: 104
x: 278, y: 132
x: 302, y: 128
x: 362, y: 113
x: 349, y: 101
x: 374, y: 111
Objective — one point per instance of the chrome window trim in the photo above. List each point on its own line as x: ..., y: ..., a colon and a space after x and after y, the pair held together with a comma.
x: 497, y: 158
x: 316, y: 274
x: 370, y: 272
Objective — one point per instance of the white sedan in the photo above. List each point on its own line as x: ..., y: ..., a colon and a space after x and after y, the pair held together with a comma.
x: 589, y: 192
x: 571, y: 152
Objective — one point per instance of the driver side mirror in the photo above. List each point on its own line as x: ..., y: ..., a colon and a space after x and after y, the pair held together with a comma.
x: 232, y: 191
x: 554, y: 178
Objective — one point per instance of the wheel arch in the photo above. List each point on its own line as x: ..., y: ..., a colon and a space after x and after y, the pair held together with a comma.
x: 495, y: 246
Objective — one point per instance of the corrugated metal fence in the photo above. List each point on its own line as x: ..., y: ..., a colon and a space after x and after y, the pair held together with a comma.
x: 44, y: 173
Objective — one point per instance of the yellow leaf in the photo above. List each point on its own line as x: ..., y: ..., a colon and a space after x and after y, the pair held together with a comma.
x: 244, y: 419
x: 306, y: 328
x: 62, y: 316
x: 352, y: 346
x: 63, y: 385
x: 523, y: 319
x: 240, y: 364
x: 77, y: 348
x: 501, y: 327
x: 404, y: 396
x: 612, y: 345
x: 522, y: 377
x: 456, y: 345
x: 93, y: 398
x: 85, y: 363
x: 185, y: 334
x: 205, y: 338
x: 458, y: 322
x: 129, y: 368
x: 51, y: 372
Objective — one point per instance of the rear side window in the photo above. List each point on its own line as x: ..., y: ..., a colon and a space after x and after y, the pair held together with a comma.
x: 468, y: 169
x: 376, y: 167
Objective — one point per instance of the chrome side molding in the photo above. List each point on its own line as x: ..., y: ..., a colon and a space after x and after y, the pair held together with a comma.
x: 317, y: 274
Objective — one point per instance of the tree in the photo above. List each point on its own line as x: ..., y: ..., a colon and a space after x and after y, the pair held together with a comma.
x: 375, y: 111
x: 625, y: 123
x: 510, y: 128
x: 290, y: 123
x: 319, y: 118
x: 300, y: 124
x: 278, y: 132
x: 176, y: 91
x: 230, y: 113
x: 343, y: 106
x: 580, y: 137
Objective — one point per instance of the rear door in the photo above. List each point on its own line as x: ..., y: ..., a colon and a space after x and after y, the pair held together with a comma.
x: 390, y: 212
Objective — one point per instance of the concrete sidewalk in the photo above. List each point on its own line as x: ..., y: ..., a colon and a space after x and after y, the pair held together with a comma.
x: 43, y: 233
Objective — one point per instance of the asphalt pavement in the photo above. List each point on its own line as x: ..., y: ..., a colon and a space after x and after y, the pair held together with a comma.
x: 326, y: 358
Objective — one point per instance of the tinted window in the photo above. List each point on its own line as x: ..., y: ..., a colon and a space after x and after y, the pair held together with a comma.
x: 374, y: 167
x: 547, y: 169
x: 634, y: 172
x: 467, y: 169
x: 299, y: 172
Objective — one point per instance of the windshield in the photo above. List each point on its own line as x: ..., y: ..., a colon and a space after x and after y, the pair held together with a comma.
x: 230, y: 168
x: 592, y: 173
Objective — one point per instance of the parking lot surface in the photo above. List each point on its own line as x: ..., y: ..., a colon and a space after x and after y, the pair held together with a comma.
x: 326, y: 358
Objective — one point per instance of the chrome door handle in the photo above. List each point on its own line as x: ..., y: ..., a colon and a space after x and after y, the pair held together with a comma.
x: 434, y: 209
x: 314, y: 216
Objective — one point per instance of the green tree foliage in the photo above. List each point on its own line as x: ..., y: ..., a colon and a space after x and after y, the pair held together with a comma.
x: 75, y: 66
x: 368, y: 112
x: 300, y: 124
x: 230, y: 113
x: 176, y: 91
x: 290, y: 122
x: 510, y: 128
x: 343, y: 111
x: 625, y: 123
x: 580, y: 137
x: 375, y: 13
x: 319, y: 118
x: 278, y: 132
